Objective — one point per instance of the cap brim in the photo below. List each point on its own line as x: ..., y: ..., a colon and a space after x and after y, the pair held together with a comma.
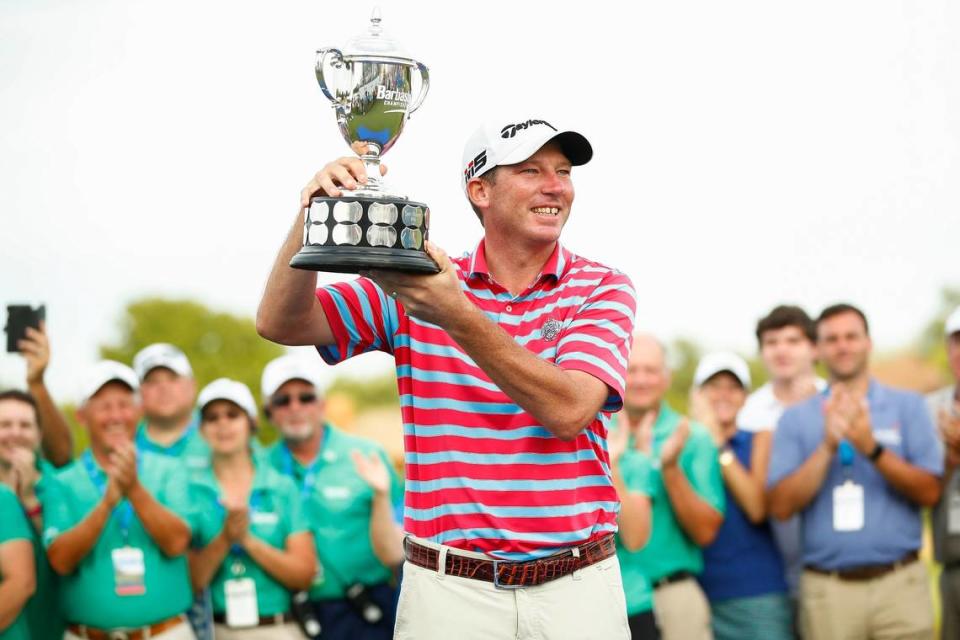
x: 574, y: 145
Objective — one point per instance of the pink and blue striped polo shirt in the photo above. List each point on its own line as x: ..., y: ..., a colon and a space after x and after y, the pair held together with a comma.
x: 481, y: 473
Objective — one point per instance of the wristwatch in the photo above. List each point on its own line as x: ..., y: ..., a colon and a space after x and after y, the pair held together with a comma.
x: 877, y: 450
x: 726, y: 457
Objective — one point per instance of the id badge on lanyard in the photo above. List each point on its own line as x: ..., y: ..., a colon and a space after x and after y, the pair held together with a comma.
x: 128, y: 571
x: 848, y: 502
x: 240, y: 595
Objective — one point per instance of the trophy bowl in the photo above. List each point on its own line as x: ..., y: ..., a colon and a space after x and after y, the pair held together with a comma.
x: 373, y: 87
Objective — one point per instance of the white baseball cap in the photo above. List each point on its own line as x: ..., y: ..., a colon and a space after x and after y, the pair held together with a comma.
x: 953, y: 322
x: 501, y: 142
x: 227, y: 389
x: 285, y: 368
x: 161, y: 354
x: 103, y: 372
x: 713, y: 363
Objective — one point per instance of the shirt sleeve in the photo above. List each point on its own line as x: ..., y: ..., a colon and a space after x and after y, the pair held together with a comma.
x: 361, y: 316
x: 13, y: 521
x: 637, y: 470
x: 786, y: 454
x: 296, y: 516
x: 923, y: 447
x: 175, y: 496
x: 597, y: 340
x: 59, y: 514
x: 701, y: 465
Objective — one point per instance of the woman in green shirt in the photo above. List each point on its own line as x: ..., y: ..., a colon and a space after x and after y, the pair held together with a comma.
x: 252, y: 545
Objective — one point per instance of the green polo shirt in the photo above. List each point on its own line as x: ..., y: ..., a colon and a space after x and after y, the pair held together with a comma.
x: 44, y: 616
x: 275, y: 514
x: 13, y: 526
x: 190, y: 449
x: 88, y: 595
x: 670, y: 549
x: 337, y: 505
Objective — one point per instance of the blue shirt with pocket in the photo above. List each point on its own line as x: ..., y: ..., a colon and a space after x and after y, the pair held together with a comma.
x: 891, y: 526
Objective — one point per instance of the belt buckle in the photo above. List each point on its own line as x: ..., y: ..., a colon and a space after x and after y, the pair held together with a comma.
x: 118, y: 635
x: 496, y: 578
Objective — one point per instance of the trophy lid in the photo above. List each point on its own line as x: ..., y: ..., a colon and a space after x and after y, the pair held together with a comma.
x: 374, y: 42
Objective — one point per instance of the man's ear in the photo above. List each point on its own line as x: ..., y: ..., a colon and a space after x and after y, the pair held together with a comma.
x: 478, y: 191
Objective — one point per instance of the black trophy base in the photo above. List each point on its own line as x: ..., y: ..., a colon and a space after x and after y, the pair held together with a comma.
x: 354, y: 233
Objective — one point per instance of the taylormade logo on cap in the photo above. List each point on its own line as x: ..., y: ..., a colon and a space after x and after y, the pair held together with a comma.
x: 511, y: 129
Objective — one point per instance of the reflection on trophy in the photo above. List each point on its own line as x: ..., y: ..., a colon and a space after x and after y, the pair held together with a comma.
x: 371, y: 85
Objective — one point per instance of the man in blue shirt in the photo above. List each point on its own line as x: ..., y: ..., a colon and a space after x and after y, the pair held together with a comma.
x: 857, y: 462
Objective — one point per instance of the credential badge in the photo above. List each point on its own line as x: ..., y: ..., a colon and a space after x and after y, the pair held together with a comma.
x: 550, y: 330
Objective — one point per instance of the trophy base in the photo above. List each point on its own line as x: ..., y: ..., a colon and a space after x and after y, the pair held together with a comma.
x: 353, y: 233
x: 354, y: 260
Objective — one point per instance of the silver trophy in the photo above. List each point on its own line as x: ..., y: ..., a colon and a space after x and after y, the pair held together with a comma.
x: 374, y: 88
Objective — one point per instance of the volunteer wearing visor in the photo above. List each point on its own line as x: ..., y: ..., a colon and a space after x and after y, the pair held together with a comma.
x: 251, y: 544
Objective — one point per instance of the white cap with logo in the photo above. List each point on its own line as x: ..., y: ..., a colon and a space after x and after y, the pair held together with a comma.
x: 503, y: 142
x: 103, y: 372
x: 718, y: 361
x: 227, y: 389
x: 161, y: 354
x: 289, y: 367
x: 953, y: 322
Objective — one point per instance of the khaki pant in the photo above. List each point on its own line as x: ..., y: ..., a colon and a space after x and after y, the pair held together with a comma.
x: 586, y: 605
x: 896, y: 606
x: 682, y: 611
x: 182, y: 632
x: 288, y: 631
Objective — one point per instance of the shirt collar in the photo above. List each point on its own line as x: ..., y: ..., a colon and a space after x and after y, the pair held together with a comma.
x: 556, y: 265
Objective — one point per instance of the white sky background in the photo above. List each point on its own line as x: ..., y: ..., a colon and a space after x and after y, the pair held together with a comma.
x: 746, y: 153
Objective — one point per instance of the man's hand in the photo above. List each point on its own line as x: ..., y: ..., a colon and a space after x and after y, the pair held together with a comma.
x: 949, y: 426
x: 372, y: 470
x: 347, y: 172
x: 35, y: 348
x: 617, y: 441
x: 859, y: 430
x: 23, y: 461
x: 123, y: 468
x: 673, y: 446
x: 836, y: 419
x: 435, y: 298
x: 702, y: 411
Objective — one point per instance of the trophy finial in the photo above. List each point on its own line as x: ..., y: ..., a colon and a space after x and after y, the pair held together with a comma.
x: 375, y: 19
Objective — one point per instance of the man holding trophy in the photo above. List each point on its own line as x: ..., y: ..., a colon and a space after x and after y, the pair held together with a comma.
x: 509, y: 363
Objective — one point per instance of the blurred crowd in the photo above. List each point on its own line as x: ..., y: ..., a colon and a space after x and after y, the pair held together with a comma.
x: 785, y: 511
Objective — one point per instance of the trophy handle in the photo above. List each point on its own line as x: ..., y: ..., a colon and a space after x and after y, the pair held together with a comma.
x: 424, y: 87
x: 336, y: 63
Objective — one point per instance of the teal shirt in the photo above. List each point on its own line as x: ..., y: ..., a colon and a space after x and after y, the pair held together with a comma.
x: 337, y: 505
x: 275, y: 514
x: 88, y: 595
x: 13, y: 526
x: 669, y: 549
x: 44, y: 616
x: 190, y: 449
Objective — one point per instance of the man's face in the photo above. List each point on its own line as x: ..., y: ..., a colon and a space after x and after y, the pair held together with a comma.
x: 844, y: 346
x: 530, y: 201
x: 787, y: 352
x: 725, y: 395
x: 167, y: 395
x: 18, y: 428
x: 647, y: 376
x: 110, y: 416
x: 297, y: 410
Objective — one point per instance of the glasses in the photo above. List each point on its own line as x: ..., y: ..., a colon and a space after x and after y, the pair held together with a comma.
x: 284, y: 400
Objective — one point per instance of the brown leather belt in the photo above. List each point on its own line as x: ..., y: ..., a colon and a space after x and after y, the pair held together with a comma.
x: 866, y: 572
x: 513, y: 575
x: 265, y: 621
x: 138, y: 633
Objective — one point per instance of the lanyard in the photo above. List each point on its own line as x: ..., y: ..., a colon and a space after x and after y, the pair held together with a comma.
x: 175, y: 449
x: 310, y: 477
x: 99, y: 479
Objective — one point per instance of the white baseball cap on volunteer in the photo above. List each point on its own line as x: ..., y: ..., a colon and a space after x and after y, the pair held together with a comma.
x: 103, y: 372
x: 952, y: 325
x: 502, y: 142
x: 161, y: 354
x: 285, y: 368
x: 713, y: 363
x: 227, y: 389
